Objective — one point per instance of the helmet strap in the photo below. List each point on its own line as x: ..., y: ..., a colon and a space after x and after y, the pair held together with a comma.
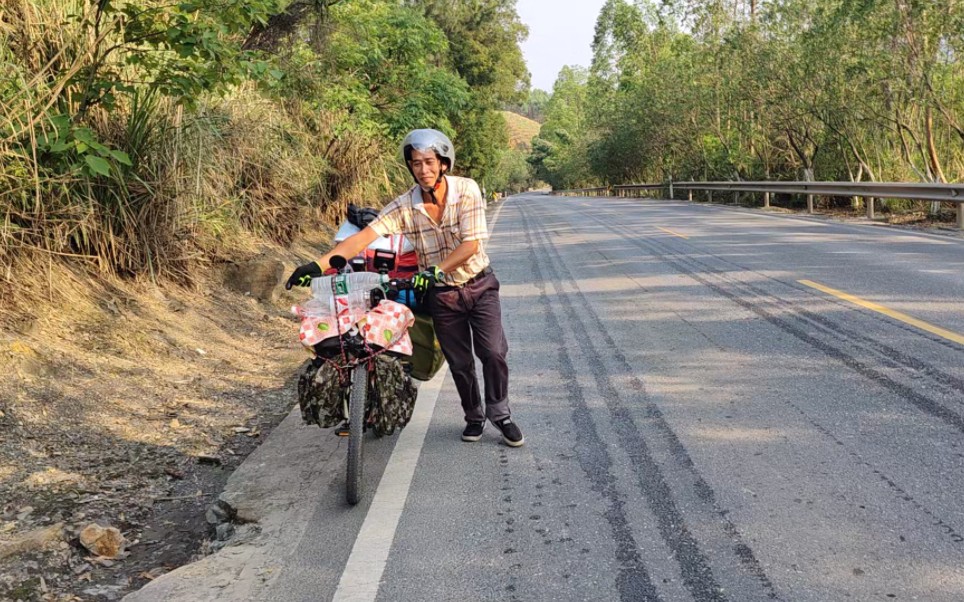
x: 431, y: 191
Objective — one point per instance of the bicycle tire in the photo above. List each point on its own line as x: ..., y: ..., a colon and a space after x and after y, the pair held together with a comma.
x: 357, y: 400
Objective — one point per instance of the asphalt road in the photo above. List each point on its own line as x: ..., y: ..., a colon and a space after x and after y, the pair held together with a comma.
x: 700, y: 424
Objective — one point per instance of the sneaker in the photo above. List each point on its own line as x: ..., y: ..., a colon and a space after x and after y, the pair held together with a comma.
x: 473, y: 431
x: 511, y: 433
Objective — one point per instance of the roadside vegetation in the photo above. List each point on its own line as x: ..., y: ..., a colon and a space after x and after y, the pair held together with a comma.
x: 868, y: 90
x: 148, y: 139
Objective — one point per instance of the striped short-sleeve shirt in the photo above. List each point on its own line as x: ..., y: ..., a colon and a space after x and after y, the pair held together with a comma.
x: 462, y: 220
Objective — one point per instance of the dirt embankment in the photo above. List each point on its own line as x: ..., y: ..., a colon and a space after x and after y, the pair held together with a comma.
x: 128, y: 406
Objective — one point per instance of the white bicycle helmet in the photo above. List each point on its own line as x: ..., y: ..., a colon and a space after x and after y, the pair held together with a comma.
x: 426, y: 140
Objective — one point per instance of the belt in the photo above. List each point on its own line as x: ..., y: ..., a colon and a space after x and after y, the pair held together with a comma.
x: 485, y: 272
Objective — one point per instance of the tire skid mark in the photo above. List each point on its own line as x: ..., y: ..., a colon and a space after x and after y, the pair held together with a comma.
x: 508, y: 512
x: 694, y: 566
x: 897, y: 357
x: 678, y: 261
x: 633, y: 581
x: 701, y: 488
x: 901, y: 493
x: 890, y: 357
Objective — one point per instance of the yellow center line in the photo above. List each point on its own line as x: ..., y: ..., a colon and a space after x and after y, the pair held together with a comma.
x: 941, y: 332
x: 667, y: 230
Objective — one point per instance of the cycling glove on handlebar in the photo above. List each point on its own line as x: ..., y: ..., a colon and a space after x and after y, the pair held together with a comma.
x: 422, y: 281
x: 303, y: 274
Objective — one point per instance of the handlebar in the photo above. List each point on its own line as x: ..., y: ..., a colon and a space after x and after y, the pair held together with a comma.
x: 341, y: 264
x: 393, y: 289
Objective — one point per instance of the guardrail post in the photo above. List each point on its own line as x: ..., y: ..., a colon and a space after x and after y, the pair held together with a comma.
x: 870, y: 206
x: 960, y: 216
x: 690, y: 195
x: 736, y: 197
x: 809, y: 203
x: 766, y: 200
x: 671, y: 189
x: 709, y: 196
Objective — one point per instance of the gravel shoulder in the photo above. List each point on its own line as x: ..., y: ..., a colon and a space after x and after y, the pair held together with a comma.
x: 129, y: 405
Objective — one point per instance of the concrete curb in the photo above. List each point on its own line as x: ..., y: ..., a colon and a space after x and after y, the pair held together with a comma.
x: 271, y: 498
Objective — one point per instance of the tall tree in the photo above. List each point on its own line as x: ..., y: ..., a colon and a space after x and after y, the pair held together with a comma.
x: 484, y: 38
x: 789, y: 89
x: 483, y: 48
x: 560, y: 151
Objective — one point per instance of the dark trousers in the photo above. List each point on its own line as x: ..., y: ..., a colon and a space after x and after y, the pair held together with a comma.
x: 466, y: 317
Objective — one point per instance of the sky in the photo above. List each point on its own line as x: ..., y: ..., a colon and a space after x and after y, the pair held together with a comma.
x: 560, y: 33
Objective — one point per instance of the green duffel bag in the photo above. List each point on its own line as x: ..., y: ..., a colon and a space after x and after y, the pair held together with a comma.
x: 427, y: 355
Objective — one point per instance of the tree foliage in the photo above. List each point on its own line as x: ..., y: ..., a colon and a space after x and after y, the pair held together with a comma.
x: 560, y: 151
x: 786, y: 89
x: 533, y: 107
x: 141, y: 135
x: 483, y: 48
x: 484, y: 38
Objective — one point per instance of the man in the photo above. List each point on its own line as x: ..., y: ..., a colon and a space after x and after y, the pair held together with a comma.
x: 444, y: 217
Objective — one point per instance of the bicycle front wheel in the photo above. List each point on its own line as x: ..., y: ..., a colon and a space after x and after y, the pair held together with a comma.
x: 357, y: 400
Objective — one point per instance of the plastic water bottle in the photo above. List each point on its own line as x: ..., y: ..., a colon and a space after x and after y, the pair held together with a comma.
x: 315, y: 307
x: 355, y: 288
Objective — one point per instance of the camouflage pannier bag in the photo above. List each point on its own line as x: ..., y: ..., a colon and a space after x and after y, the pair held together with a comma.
x: 321, y: 395
x: 392, y: 397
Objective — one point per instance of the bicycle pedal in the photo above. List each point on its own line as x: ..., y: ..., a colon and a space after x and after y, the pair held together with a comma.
x: 343, y: 431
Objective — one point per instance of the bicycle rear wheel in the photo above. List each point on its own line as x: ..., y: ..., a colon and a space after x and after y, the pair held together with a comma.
x: 357, y: 400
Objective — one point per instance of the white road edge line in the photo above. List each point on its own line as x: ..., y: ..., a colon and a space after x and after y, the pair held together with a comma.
x: 369, y: 556
x: 366, y: 563
x: 498, y: 212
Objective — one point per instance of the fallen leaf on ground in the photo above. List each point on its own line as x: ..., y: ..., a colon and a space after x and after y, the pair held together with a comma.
x: 106, y: 542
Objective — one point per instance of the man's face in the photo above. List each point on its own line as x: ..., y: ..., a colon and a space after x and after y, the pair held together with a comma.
x: 426, y: 167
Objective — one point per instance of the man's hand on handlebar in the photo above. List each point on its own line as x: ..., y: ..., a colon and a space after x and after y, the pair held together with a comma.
x: 303, y: 274
x: 422, y: 281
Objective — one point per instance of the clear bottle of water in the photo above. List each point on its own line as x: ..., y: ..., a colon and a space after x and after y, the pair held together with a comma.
x: 353, y: 287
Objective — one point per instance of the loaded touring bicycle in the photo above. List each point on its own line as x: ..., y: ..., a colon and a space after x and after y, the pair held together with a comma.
x: 367, y: 345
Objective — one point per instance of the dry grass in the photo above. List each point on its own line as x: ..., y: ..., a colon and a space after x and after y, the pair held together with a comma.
x: 521, y: 130
x: 203, y: 184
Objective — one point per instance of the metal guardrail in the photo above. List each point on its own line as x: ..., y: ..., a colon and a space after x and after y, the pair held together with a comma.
x: 951, y: 193
x: 601, y: 191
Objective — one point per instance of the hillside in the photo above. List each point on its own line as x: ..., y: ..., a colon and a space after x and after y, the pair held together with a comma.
x: 521, y: 130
